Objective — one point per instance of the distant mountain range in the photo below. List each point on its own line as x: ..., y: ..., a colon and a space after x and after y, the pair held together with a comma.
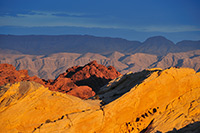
x: 50, y: 66
x: 50, y: 44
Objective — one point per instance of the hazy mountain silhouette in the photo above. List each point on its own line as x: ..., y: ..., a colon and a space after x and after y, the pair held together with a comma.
x: 49, y: 44
x: 157, y: 45
x: 188, y: 45
x: 43, y: 44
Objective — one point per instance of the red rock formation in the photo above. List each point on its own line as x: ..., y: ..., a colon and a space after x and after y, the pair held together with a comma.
x: 77, y: 81
x: 93, y: 75
x: 8, y: 74
x: 66, y: 85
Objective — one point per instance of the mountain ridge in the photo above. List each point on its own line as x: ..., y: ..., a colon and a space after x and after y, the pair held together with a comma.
x: 49, y: 44
x: 50, y: 66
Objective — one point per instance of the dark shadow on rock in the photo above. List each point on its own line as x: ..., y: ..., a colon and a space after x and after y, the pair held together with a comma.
x: 123, y: 57
x: 124, y: 85
x: 71, y: 73
x: 180, y: 63
x: 159, y: 58
x: 194, y: 56
x: 130, y: 66
x: 190, y: 128
x: 94, y: 82
x: 148, y: 128
x: 158, y: 132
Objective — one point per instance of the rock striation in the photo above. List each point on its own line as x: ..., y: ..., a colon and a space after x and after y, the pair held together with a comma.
x: 26, y: 106
x: 153, y: 100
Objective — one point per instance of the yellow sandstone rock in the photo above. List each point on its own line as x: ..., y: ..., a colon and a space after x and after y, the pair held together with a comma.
x: 153, y: 100
x: 163, y: 102
x: 25, y: 106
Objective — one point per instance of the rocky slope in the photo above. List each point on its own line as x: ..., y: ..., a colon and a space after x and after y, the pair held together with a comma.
x: 50, y: 66
x: 77, y: 81
x: 153, y: 100
x: 26, y: 106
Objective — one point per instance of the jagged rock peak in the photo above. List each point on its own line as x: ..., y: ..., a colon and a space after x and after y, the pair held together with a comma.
x: 92, y: 74
x: 94, y: 62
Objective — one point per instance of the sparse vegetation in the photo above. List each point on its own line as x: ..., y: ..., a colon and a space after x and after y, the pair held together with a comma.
x: 48, y: 121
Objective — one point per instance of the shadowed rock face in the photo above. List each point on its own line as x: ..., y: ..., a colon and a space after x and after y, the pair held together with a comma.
x: 77, y: 81
x: 93, y: 75
x: 190, y: 128
x: 123, y: 84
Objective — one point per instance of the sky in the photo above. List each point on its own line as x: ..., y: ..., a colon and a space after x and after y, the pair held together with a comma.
x: 129, y: 19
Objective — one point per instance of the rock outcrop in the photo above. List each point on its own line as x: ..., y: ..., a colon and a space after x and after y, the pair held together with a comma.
x: 153, y: 100
x: 66, y: 85
x: 78, y: 81
x: 8, y: 74
x: 93, y: 75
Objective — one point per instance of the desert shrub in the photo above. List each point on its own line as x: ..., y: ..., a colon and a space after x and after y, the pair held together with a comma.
x: 47, y: 121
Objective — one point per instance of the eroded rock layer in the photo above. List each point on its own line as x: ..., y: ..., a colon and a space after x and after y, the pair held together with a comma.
x: 153, y: 100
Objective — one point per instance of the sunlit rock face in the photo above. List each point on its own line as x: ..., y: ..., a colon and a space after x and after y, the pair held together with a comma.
x: 162, y: 101
x: 26, y: 106
x: 153, y: 100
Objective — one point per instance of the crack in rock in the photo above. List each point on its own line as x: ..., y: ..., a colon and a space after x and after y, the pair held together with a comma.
x: 60, y: 118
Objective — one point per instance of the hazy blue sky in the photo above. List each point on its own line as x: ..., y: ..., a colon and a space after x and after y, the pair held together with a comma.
x: 129, y: 19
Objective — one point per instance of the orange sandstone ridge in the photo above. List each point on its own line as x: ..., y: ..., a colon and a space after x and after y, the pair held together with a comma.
x: 153, y: 100
x: 77, y: 81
